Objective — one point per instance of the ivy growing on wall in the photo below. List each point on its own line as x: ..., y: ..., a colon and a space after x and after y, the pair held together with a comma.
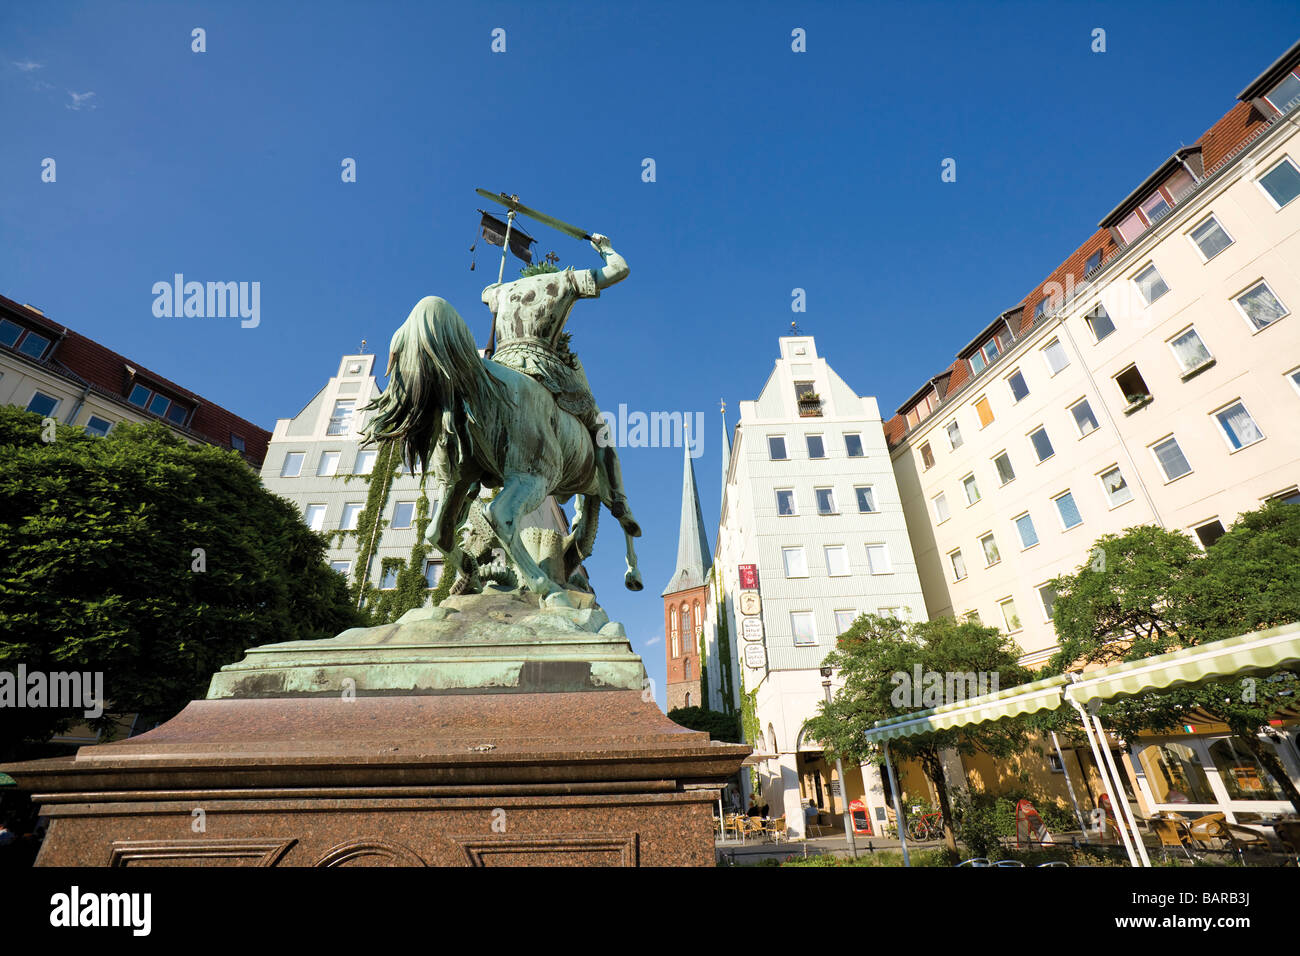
x: 724, y: 644
x: 749, y: 724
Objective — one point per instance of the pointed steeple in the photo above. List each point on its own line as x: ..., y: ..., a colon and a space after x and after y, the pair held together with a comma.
x: 693, y: 556
x: 726, y: 452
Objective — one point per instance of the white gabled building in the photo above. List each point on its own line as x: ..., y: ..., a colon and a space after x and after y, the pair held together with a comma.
x: 811, y: 504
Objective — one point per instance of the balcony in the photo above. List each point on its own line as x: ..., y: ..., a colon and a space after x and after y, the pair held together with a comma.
x: 810, y: 405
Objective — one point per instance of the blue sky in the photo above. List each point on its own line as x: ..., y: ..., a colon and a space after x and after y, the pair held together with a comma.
x: 774, y: 170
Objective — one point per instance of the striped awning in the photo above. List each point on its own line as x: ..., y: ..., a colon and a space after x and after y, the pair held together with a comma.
x: 1257, y: 653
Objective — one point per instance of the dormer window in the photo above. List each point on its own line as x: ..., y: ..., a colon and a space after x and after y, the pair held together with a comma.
x: 989, y: 350
x: 1093, y: 263
x: 1156, y: 206
x: 25, y: 340
x: 1286, y: 94
x: 159, y: 404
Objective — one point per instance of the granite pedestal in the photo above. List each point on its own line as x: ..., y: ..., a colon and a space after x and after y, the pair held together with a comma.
x: 354, y: 756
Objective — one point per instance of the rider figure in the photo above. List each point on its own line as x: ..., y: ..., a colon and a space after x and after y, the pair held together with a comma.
x: 529, y: 316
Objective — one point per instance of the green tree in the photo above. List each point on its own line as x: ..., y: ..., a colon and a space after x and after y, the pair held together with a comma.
x: 148, y: 559
x: 870, y: 658
x: 1153, y: 591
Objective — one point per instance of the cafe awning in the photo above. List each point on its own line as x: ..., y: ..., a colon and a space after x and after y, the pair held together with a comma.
x: 1257, y: 653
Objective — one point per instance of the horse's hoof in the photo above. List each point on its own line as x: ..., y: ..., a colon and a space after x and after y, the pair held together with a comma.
x: 633, y: 580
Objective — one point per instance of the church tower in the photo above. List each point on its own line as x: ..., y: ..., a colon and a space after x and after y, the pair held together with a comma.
x: 685, y: 598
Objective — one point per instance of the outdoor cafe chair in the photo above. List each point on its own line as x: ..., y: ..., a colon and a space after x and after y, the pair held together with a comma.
x: 1288, y: 834
x: 1213, y: 827
x: 1173, y: 832
x: 776, y: 828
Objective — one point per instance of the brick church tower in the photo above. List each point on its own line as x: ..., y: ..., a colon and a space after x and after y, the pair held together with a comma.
x: 685, y: 598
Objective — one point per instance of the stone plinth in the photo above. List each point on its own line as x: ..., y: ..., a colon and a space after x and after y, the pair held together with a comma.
x: 446, y: 780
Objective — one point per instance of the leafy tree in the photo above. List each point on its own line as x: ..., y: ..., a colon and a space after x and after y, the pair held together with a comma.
x: 870, y: 656
x: 99, y: 572
x: 1155, y: 591
x: 716, y: 724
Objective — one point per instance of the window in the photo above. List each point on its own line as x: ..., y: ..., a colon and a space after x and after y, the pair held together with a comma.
x: 1155, y: 207
x: 237, y: 442
x: 1116, y: 488
x: 1282, y: 183
x: 1003, y: 465
x: 97, y: 426
x: 954, y: 435
x: 1054, y: 355
x: 33, y: 344
x: 9, y: 332
x: 139, y: 396
x: 984, y: 411
x: 1150, y: 284
x: 159, y: 404
x: 1132, y: 386
x: 1260, y: 306
x: 1210, y: 238
x: 316, y: 517
x: 837, y: 560
x: 1016, y: 382
x: 292, y: 466
x: 1093, y: 263
x: 351, y: 512
x: 329, y: 464
x: 177, y: 414
x: 342, y: 567
x: 1189, y: 351
x: 878, y: 559
x: 785, y: 502
x: 825, y: 501
x: 941, y: 513
x: 1099, y: 323
x: 804, y: 627
x: 991, y: 555
x: 958, y: 564
x: 1210, y: 532
x: 676, y: 641
x: 1047, y: 597
x: 776, y: 447
x: 1084, y: 419
x: 1068, y: 510
x: 1171, y: 459
x: 1025, y: 526
x: 853, y: 446
x: 341, y: 417
x: 42, y: 404
x: 1041, y: 308
x: 432, y: 573
x: 1009, y: 615
x: 1294, y: 379
x: 816, y: 448
x: 971, y: 488
x: 403, y: 514
x: 365, y: 462
x: 1291, y: 496
x: 1286, y: 94
x: 844, y: 620
x: 388, y: 582
x: 977, y: 363
x: 1238, y: 428
x: 1042, y: 444
x: 866, y: 498
x: 796, y: 566
x: 927, y: 456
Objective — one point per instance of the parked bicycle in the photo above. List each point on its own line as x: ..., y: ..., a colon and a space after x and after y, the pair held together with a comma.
x: 926, y: 826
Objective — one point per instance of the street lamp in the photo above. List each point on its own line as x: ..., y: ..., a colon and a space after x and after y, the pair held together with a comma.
x: 839, y: 771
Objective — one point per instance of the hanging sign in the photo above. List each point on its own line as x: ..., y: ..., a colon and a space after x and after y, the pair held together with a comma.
x: 750, y: 602
x: 748, y: 576
x: 755, y: 656
x: 751, y: 628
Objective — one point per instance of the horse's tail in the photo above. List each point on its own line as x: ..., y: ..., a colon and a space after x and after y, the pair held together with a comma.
x: 435, y: 380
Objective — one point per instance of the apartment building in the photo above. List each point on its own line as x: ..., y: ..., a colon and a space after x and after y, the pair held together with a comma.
x: 812, y: 535
x: 47, y: 368
x: 1152, y: 378
x: 315, y: 459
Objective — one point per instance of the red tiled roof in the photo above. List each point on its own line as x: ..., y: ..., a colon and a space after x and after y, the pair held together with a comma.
x: 106, y: 370
x: 1234, y: 129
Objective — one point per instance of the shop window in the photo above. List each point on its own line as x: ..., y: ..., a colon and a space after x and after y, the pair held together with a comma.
x: 1175, y: 774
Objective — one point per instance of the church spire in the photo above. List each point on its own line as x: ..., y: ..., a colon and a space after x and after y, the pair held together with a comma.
x: 693, y: 556
x: 726, y: 451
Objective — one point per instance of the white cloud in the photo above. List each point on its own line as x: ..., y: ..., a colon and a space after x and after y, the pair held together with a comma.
x: 80, y: 101
x: 654, y: 640
x: 27, y: 65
